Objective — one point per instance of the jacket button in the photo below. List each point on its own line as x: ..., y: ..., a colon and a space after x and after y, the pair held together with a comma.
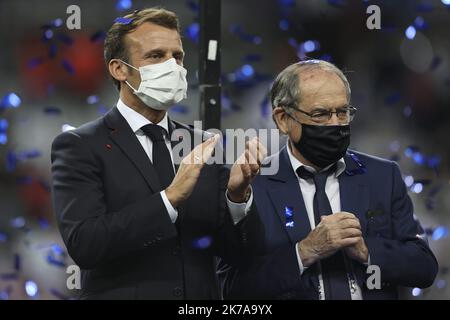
x: 177, y: 291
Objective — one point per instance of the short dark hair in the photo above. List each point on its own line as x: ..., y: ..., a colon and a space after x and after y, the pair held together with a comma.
x: 114, y: 45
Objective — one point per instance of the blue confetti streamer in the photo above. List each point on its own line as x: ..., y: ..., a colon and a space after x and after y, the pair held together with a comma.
x: 102, y: 110
x: 202, y: 242
x: 31, y: 288
x: 53, y: 111
x: 193, y: 6
x: 337, y: 3
x: 12, y: 158
x: 52, y: 51
x: 439, y: 233
x: 424, y: 7
x: 265, y: 107
x: 43, y: 223
x: 10, y: 100
x: 287, y: 4
x: 237, y: 30
x: 11, y: 161
x: 407, y: 111
x: 122, y: 5
x: 92, y: 99
x: 3, y: 138
x: 393, y: 98
x: 251, y: 58
x: 17, y: 262
x: 420, y: 23
x: 68, y: 67
x: 181, y: 109
x: 98, y: 36
x: 123, y: 20
x: 65, y: 39
x: 435, y: 63
x: 17, y: 223
x: 9, y: 276
x: 47, y: 35
x: 193, y: 32
x: 56, y: 255
x: 289, y: 215
x: 361, y: 167
x: 3, y: 237
x: 284, y: 24
x: 34, y: 62
x: 3, y: 125
x: 57, y: 23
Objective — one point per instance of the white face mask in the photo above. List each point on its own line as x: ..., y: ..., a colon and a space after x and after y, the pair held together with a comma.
x: 162, y: 85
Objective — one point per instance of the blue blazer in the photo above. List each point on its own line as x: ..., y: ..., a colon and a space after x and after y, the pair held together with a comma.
x: 373, y: 190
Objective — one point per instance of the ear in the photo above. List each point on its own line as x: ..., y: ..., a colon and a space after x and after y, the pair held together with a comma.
x: 281, y: 119
x: 118, y: 70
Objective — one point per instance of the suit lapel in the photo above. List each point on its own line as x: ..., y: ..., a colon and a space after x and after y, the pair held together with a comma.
x: 122, y: 135
x: 285, y: 194
x: 177, y: 138
x: 354, y: 192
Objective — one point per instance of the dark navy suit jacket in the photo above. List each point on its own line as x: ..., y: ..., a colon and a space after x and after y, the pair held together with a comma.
x: 373, y: 190
x: 115, y: 225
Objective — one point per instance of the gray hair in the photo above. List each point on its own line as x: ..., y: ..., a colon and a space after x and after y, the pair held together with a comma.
x: 285, y: 90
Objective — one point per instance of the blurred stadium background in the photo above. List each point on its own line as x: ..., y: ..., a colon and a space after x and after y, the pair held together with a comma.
x: 52, y: 78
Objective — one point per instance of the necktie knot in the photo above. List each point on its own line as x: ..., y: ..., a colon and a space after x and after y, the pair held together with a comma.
x: 320, y: 178
x: 155, y: 132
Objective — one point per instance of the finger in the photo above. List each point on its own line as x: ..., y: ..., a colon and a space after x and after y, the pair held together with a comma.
x: 262, y: 151
x: 350, y: 233
x: 196, y: 155
x: 209, y: 148
x: 345, y: 215
x: 254, y: 167
x: 349, y: 223
x: 252, y: 147
x: 245, y: 168
x: 346, y: 242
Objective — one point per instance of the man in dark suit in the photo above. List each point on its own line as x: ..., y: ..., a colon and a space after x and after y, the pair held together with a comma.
x: 139, y: 223
x: 329, y: 213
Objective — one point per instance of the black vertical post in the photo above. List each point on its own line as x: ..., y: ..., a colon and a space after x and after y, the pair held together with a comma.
x: 209, y: 64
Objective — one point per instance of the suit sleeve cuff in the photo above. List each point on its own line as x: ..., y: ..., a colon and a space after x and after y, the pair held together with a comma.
x: 238, y: 211
x: 299, y: 260
x: 173, y: 213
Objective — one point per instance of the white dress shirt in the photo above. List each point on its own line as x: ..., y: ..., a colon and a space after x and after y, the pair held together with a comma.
x: 308, y: 190
x: 136, y: 121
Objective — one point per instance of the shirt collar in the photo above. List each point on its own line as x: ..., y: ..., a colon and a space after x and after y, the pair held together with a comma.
x: 137, y: 120
x: 295, y: 163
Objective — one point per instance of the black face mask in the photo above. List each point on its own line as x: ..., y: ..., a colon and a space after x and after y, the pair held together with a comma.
x: 323, y: 145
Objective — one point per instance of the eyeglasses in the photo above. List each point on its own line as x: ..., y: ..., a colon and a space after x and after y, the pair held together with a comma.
x: 322, y: 115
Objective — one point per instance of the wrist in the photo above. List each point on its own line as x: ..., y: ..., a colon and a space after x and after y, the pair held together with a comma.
x: 172, y: 196
x: 239, y: 197
x: 307, y: 255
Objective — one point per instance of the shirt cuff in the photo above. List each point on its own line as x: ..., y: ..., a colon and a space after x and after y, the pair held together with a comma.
x: 173, y: 213
x: 299, y: 260
x: 368, y: 261
x: 238, y: 211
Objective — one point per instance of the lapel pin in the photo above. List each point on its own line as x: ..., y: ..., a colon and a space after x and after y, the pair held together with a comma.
x: 373, y: 213
x: 289, y: 214
x: 108, y: 146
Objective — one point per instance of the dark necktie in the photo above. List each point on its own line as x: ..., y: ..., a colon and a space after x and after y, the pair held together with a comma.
x: 334, y: 273
x: 161, y: 156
